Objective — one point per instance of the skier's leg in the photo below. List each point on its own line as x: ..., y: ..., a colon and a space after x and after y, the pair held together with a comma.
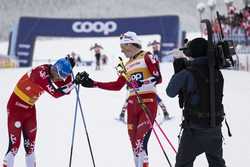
x: 163, y: 107
x: 95, y: 61
x: 14, y: 130
x: 143, y: 132
x: 132, y: 124
x: 29, y: 134
x: 9, y: 160
x: 98, y: 61
x: 124, y: 108
x: 30, y: 160
x: 142, y: 156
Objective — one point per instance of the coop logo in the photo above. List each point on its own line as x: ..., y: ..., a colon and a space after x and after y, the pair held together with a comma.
x: 97, y: 27
x: 137, y: 76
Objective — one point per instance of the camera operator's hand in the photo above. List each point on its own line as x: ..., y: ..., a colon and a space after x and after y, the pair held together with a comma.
x: 83, y: 79
x: 180, y: 64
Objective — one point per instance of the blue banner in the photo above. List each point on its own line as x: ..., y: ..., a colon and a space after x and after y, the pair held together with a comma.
x: 168, y: 27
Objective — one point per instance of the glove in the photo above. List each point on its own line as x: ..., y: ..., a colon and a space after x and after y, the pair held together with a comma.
x: 80, y: 76
x: 180, y: 64
x: 83, y: 79
x: 71, y: 60
x: 135, y: 84
x: 66, y: 89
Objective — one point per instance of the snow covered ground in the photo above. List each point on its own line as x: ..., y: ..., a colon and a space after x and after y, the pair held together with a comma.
x: 108, y: 137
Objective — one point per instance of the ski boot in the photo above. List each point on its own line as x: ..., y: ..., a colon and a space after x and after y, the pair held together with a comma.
x: 166, y: 115
x: 121, y: 117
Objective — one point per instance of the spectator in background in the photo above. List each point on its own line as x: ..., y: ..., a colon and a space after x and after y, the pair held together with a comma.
x: 104, y: 59
x: 97, y: 50
x: 78, y: 60
x: 156, y: 49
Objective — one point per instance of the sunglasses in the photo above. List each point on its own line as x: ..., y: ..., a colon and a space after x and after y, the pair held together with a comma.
x: 123, y: 36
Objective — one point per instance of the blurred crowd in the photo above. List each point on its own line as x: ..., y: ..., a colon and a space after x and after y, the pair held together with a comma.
x: 235, y: 24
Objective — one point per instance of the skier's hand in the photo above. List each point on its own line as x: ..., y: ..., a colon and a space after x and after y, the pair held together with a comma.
x: 71, y: 59
x: 80, y: 76
x: 66, y: 89
x: 83, y: 79
x: 135, y: 84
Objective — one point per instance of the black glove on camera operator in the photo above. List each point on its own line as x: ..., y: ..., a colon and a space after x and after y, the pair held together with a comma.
x: 83, y: 79
x: 180, y: 64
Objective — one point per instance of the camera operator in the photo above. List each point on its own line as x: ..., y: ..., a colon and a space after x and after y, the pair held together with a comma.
x: 191, y: 83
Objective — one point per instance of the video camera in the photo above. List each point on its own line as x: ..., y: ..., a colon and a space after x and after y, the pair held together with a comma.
x: 223, y: 54
x: 224, y: 51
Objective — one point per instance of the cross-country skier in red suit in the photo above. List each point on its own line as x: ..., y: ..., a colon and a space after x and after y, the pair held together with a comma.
x: 54, y: 79
x: 144, y: 71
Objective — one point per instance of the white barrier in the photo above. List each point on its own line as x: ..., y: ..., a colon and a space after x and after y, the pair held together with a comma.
x: 244, y: 57
x: 244, y: 62
x: 8, y: 62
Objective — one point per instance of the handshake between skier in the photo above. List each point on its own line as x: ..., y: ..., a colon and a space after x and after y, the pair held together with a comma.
x: 83, y: 79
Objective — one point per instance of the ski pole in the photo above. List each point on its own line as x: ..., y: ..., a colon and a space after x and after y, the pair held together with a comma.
x: 158, y: 125
x: 164, y: 134
x: 85, y: 126
x: 164, y: 152
x: 73, y: 134
x: 148, y: 116
x: 145, y: 108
